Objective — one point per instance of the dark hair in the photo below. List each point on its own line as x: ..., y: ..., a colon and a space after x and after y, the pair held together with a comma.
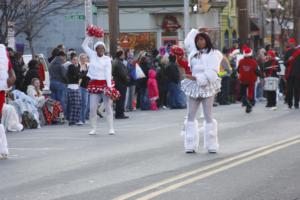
x: 119, y: 53
x: 61, y: 53
x: 205, y: 36
x: 55, y: 52
x: 172, y: 58
x: 225, y: 50
x: 10, y: 49
x: 73, y: 55
x: 32, y: 64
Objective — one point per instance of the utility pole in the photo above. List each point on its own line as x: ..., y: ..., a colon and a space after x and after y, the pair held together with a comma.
x: 243, y: 21
x: 88, y: 13
x: 114, y: 26
x: 186, y: 17
x: 296, y: 15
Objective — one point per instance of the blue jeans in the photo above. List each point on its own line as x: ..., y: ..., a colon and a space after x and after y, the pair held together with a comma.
x: 84, y: 103
x: 144, y: 100
x: 58, y: 92
x: 176, y: 98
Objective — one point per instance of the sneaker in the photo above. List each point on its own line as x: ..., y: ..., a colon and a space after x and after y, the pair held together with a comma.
x: 212, y: 151
x: 190, y: 151
x: 92, y: 132
x: 274, y: 108
x: 79, y: 123
x: 111, y: 132
x: 3, y: 156
x: 248, y: 109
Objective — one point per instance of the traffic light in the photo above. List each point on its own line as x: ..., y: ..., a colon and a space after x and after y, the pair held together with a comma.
x: 204, y: 5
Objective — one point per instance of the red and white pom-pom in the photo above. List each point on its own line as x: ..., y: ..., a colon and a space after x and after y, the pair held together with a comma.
x: 94, y: 31
x: 113, y: 93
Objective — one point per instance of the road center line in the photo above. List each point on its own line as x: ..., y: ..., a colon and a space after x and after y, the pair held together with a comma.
x: 210, y: 173
x: 205, y: 168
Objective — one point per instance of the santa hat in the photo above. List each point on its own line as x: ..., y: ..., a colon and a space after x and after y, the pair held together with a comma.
x: 292, y: 41
x: 234, y: 53
x: 271, y: 53
x: 247, y: 52
x: 98, y: 44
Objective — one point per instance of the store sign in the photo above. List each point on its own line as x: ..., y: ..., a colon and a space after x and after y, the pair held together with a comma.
x: 170, y: 23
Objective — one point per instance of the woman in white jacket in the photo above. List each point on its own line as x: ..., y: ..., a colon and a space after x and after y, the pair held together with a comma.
x: 201, y: 87
x: 100, y: 74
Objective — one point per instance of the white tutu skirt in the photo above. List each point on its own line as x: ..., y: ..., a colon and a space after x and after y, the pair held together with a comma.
x: 193, y: 90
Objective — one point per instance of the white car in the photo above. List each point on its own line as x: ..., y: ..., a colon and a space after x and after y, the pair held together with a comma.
x: 27, y: 58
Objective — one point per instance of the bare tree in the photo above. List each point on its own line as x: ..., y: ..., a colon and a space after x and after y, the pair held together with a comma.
x: 30, y: 15
x: 284, y: 16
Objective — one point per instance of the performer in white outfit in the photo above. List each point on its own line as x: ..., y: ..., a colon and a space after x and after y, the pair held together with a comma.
x: 100, y: 74
x: 201, y: 87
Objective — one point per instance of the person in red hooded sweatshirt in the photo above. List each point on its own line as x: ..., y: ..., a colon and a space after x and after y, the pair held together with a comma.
x: 248, y: 71
x: 7, y: 79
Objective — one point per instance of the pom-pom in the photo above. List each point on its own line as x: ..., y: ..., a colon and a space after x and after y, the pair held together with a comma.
x: 94, y: 31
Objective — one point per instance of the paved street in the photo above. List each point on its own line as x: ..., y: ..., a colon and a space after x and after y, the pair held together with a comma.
x: 65, y: 163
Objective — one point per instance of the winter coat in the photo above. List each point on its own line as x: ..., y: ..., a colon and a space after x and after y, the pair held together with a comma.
x: 57, y: 71
x: 152, y: 85
x: 32, y: 92
x: 172, y: 73
x: 271, y: 68
x: 120, y: 73
x: 73, y: 74
x: 31, y: 73
x: 248, y: 70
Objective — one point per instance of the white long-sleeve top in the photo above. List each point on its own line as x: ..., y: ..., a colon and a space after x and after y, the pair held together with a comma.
x: 205, y: 67
x: 99, y: 67
x: 4, y: 62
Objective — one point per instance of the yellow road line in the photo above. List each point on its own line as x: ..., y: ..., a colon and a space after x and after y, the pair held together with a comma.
x: 199, y: 170
x: 210, y: 173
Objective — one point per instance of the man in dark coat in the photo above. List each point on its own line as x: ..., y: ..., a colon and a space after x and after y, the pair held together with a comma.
x: 120, y: 75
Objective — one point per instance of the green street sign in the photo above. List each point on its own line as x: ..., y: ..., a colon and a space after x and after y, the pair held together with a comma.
x: 75, y: 17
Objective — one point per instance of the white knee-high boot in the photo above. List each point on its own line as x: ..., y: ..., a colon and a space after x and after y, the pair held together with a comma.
x: 210, y: 134
x: 110, y: 122
x: 3, y: 143
x: 191, y: 137
x: 93, y: 121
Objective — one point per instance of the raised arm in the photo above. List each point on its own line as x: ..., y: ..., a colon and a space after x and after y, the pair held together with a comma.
x: 85, y: 46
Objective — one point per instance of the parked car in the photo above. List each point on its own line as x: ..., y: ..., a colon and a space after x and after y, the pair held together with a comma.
x: 44, y: 61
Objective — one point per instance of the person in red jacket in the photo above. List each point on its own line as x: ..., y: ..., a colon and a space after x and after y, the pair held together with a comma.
x: 248, y: 72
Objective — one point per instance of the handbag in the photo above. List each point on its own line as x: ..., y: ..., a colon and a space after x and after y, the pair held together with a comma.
x: 139, y: 72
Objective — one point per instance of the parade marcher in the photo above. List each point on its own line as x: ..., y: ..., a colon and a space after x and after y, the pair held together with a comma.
x: 201, y: 87
x: 271, y: 67
x: 248, y: 72
x: 292, y: 74
x: 120, y: 75
x: 100, y: 73
x: 7, y: 79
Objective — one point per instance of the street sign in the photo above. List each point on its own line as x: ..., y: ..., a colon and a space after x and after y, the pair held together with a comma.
x: 11, y: 40
x: 75, y: 17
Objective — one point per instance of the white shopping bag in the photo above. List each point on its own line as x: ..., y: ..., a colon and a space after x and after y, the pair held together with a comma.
x: 139, y: 72
x: 3, y: 141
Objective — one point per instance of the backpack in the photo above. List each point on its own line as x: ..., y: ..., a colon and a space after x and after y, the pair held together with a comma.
x: 28, y: 120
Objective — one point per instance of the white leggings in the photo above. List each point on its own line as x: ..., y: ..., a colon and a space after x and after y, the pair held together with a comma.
x: 108, y: 103
x: 193, y: 106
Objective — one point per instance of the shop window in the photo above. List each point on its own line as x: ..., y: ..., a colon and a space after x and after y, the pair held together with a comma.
x: 138, y: 41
